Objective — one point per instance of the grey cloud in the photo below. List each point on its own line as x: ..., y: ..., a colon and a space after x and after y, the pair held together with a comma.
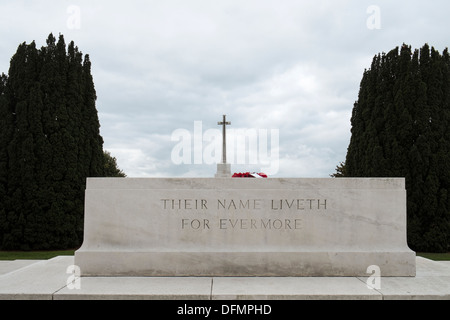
x: 159, y: 66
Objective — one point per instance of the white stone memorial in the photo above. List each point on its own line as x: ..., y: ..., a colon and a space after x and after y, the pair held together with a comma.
x: 244, y: 227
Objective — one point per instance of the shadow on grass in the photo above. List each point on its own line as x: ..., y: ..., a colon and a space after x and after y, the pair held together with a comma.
x: 435, y: 256
x: 33, y: 255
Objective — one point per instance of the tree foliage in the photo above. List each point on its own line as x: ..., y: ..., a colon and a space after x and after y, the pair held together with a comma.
x: 401, y: 128
x: 50, y: 143
x: 111, y: 168
x: 340, y: 171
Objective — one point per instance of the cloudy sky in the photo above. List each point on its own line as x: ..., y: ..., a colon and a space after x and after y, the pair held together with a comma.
x: 286, y: 73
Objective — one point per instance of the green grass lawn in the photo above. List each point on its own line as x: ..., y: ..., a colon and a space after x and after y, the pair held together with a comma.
x: 45, y: 255
x: 33, y: 255
x: 435, y: 256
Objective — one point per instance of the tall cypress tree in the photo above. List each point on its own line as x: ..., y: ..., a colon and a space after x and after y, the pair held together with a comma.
x: 49, y: 144
x: 400, y: 128
x: 5, y: 134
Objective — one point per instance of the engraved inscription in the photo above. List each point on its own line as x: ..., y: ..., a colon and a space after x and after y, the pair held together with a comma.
x: 243, y: 214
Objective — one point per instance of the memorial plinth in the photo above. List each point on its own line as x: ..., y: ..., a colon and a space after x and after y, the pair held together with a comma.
x: 244, y: 227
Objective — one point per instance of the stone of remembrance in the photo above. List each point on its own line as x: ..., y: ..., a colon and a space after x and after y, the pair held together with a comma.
x: 244, y: 227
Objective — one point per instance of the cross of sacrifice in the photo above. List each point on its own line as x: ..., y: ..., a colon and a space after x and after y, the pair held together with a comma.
x: 224, y: 125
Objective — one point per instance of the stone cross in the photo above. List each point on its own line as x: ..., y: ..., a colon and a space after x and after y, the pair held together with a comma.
x: 224, y: 125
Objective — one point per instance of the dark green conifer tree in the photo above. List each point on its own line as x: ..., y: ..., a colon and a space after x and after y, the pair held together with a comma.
x: 50, y: 143
x: 5, y: 134
x: 400, y: 128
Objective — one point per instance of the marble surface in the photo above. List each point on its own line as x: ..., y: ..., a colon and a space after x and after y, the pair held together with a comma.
x: 244, y: 227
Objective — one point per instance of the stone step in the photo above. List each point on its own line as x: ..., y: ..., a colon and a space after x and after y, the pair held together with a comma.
x: 37, y: 281
x: 49, y: 280
x: 10, y: 266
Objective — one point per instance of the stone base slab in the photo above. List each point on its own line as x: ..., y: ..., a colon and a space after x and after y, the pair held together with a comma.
x: 245, y: 264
